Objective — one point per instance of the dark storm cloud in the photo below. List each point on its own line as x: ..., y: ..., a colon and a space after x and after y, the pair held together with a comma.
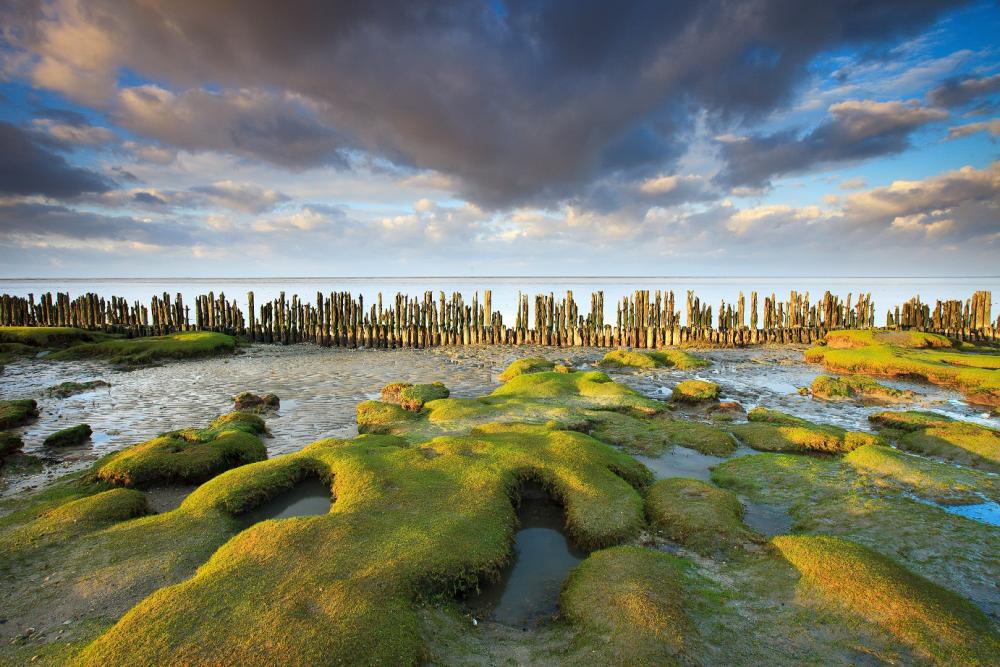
x: 854, y: 131
x: 526, y: 103
x: 959, y: 92
x: 28, y: 167
x: 45, y: 221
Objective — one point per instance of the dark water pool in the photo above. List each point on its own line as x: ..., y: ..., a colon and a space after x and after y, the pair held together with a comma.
x: 528, y: 590
x: 310, y: 496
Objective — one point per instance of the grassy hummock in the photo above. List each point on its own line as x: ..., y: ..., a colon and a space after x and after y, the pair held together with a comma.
x: 700, y: 516
x: 647, y: 359
x: 69, y: 437
x: 381, y: 418
x: 188, y: 456
x: 17, y: 413
x: 929, y: 357
x: 652, y: 436
x: 48, y: 338
x: 527, y: 365
x: 857, y: 387
x: 66, y: 389
x: 144, y: 351
x: 773, y: 431
x: 695, y: 391
x: 249, y: 402
x: 413, y: 396
x: 9, y: 444
x: 940, y: 626
x: 936, y: 435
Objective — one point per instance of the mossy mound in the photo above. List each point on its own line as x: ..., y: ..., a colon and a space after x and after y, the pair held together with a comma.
x: 695, y: 391
x: 857, y: 387
x: 12, y: 351
x: 249, y: 402
x: 381, y: 418
x: 700, y: 516
x: 527, y: 365
x: 632, y: 604
x: 47, y: 338
x: 935, y: 481
x: 413, y: 396
x: 939, y: 625
x: 647, y: 359
x: 936, y: 435
x: 17, y: 413
x: 9, y: 443
x: 144, y: 351
x: 911, y: 354
x: 773, y: 431
x: 188, y: 456
x: 639, y: 434
x: 584, y: 388
x: 67, y: 389
x: 69, y: 437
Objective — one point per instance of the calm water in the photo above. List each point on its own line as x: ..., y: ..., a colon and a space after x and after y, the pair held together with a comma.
x: 308, y: 497
x: 886, y: 292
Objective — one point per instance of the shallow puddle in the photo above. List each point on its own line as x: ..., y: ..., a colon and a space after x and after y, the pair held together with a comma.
x: 685, y: 462
x: 528, y: 590
x: 987, y: 512
x: 308, y: 497
x: 768, y: 520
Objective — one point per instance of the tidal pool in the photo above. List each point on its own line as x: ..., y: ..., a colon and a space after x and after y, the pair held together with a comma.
x: 528, y: 590
x: 308, y: 497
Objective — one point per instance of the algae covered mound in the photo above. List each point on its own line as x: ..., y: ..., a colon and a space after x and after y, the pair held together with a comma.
x: 633, y: 605
x: 249, y: 402
x: 937, y: 435
x: 700, y: 516
x: 380, y: 417
x: 646, y: 359
x: 651, y: 436
x: 17, y: 413
x: 527, y: 365
x: 857, y: 387
x: 69, y: 437
x: 47, y: 338
x: 413, y: 396
x: 773, y: 431
x: 926, y: 356
x: 66, y: 389
x: 939, y: 625
x: 695, y: 391
x: 142, y: 351
x: 188, y: 456
x: 9, y: 443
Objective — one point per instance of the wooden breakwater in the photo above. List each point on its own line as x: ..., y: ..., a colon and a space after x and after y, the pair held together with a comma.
x: 644, y: 319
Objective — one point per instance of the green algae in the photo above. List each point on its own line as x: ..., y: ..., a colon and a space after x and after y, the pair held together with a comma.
x: 69, y: 437
x: 48, y: 338
x: 773, y: 431
x: 857, y: 387
x: 651, y: 436
x: 381, y: 418
x: 647, y: 359
x: 939, y: 625
x: 17, y: 413
x: 695, y: 391
x: 66, y: 389
x: 188, y: 456
x: 939, y: 436
x: 152, y: 349
x: 249, y: 402
x: 413, y: 396
x: 702, y: 517
x: 527, y: 365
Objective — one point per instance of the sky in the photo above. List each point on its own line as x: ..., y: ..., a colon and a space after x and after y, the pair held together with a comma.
x: 153, y: 138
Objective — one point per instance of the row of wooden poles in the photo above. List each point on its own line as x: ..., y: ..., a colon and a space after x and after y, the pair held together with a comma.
x: 645, y: 319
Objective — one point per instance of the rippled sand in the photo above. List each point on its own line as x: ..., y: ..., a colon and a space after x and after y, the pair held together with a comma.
x: 320, y: 387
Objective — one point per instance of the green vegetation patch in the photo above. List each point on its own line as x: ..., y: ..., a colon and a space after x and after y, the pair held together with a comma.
x: 413, y: 396
x: 527, y: 365
x: 66, y: 389
x: 939, y: 625
x: 695, y: 391
x: 700, y: 516
x: 144, y: 351
x: 942, y: 483
x: 381, y: 418
x: 937, y: 435
x: 69, y: 437
x: 17, y: 413
x: 773, y: 431
x: 188, y: 456
x: 857, y: 387
x: 647, y: 359
x: 48, y: 337
x: 9, y: 443
x: 582, y: 388
x: 633, y: 606
x: 249, y: 402
x: 651, y: 436
x: 912, y: 354
x: 910, y: 420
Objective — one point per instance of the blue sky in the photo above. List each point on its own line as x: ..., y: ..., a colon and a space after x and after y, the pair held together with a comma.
x: 538, y: 138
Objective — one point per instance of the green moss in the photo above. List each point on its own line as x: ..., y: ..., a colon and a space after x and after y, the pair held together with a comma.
x: 17, y: 413
x: 911, y: 420
x: 65, y: 389
x: 413, y: 396
x: 857, y: 387
x: 9, y: 443
x: 700, y: 516
x: 888, y: 467
x: 48, y: 337
x: 911, y: 354
x: 379, y: 417
x: 773, y: 431
x: 188, y: 456
x: 939, y: 625
x: 11, y: 351
x: 647, y: 359
x: 652, y: 436
x: 962, y: 442
x: 249, y: 402
x: 633, y: 605
x: 585, y: 388
x: 523, y: 366
x: 695, y: 391
x: 142, y: 351
x: 69, y: 437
